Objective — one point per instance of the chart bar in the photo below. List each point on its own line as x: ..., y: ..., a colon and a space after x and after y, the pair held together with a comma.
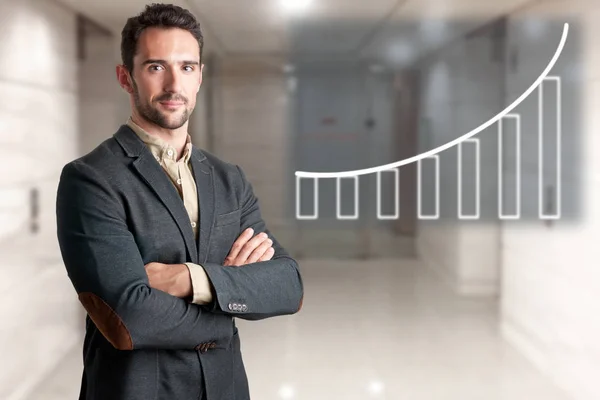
x: 501, y: 150
x: 315, y: 215
x: 436, y: 214
x: 549, y: 204
x: 396, y: 213
x: 475, y: 143
x: 339, y: 198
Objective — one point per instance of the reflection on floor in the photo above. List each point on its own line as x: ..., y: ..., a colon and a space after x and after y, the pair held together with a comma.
x: 382, y: 329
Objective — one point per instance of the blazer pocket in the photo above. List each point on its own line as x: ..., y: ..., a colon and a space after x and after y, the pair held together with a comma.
x: 228, y: 218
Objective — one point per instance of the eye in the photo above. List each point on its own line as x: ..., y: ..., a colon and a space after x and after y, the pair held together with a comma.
x: 156, y: 67
x: 188, y: 68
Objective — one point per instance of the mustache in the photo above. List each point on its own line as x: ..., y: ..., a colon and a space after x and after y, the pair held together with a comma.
x: 171, y: 97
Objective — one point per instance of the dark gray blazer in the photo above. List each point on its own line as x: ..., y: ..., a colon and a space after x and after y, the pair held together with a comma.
x: 117, y: 210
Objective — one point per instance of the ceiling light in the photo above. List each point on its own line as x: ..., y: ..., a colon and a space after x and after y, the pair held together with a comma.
x: 295, y: 6
x: 286, y: 392
x: 376, y: 387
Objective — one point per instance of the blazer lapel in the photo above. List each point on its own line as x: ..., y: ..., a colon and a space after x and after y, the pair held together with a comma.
x: 203, y: 174
x: 157, y: 179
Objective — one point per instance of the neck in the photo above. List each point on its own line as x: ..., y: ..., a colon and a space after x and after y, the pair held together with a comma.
x: 174, y: 137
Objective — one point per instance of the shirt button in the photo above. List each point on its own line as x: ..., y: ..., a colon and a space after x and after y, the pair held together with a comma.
x: 179, y: 181
x: 170, y: 153
x: 193, y: 224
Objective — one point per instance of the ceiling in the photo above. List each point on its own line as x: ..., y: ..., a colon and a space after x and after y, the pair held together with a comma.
x: 389, y: 31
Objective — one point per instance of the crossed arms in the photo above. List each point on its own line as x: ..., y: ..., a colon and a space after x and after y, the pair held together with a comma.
x: 189, y: 281
x: 106, y: 268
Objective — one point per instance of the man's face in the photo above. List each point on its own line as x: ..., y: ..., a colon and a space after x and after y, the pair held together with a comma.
x: 166, y: 76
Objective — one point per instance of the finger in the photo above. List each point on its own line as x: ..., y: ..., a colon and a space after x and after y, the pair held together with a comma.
x: 259, y: 251
x: 230, y: 263
x: 250, y: 247
x: 268, y: 255
x: 238, y: 244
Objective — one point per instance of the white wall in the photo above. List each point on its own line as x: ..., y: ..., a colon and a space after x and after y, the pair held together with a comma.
x: 38, y: 135
x: 100, y: 94
x: 551, y: 279
x: 462, y: 87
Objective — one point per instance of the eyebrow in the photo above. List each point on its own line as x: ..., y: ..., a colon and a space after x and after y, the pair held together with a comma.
x: 156, y: 61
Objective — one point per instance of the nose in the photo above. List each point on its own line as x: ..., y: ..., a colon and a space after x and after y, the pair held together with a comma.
x: 172, y: 82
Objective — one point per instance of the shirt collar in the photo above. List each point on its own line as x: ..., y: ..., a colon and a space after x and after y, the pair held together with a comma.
x: 160, y: 149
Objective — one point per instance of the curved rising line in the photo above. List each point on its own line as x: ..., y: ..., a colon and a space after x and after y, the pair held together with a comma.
x: 455, y: 141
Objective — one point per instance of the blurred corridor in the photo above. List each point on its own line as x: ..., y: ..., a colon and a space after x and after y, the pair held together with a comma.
x: 395, y: 308
x: 389, y: 330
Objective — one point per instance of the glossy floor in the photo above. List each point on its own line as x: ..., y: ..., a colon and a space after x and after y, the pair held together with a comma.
x: 378, y: 329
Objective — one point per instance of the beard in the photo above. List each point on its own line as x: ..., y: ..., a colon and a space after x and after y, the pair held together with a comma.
x: 158, y: 117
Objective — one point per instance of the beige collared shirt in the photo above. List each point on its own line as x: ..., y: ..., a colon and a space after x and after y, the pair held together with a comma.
x: 180, y: 173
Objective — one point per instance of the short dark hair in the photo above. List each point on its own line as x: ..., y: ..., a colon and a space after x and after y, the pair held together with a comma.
x: 156, y: 15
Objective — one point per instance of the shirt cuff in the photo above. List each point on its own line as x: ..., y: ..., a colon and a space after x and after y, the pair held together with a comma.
x: 200, y: 284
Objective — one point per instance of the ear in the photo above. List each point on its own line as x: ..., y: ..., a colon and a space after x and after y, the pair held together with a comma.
x: 124, y: 78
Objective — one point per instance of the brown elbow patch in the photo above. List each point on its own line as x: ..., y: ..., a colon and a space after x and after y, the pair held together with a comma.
x: 107, y: 321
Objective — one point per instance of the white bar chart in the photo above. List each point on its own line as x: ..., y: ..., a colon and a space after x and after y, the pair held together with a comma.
x: 549, y: 190
x: 509, y: 182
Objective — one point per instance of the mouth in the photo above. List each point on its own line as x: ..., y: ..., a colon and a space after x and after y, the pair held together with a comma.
x: 172, y: 104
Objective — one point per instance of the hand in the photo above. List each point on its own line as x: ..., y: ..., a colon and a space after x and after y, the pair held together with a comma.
x: 247, y: 249
x: 173, y: 279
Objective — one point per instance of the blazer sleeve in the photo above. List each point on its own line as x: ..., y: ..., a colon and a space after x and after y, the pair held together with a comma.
x: 262, y: 289
x: 105, y: 266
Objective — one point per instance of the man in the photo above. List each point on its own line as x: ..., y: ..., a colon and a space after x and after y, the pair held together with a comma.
x: 165, y: 243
